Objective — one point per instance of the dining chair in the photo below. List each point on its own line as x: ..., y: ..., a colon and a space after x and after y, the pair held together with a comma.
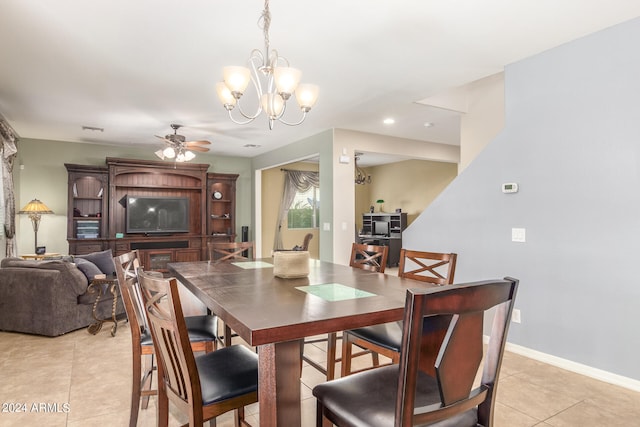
x: 365, y: 257
x: 305, y: 242
x: 223, y: 251
x: 202, y: 332
x: 431, y: 267
x: 227, y: 251
x: 434, y: 381
x: 202, y: 387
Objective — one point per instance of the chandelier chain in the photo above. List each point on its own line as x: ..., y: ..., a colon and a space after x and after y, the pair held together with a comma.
x: 265, y: 22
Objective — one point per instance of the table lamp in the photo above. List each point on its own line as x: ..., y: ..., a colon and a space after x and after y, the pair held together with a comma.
x: 34, y: 209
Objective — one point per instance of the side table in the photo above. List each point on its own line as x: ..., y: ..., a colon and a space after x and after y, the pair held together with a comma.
x: 101, y: 286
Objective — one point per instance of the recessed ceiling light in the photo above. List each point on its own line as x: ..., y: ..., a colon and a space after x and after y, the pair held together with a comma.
x: 388, y: 121
x: 428, y: 124
x: 251, y: 146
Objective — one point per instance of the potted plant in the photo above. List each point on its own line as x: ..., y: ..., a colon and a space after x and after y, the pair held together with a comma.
x: 380, y: 204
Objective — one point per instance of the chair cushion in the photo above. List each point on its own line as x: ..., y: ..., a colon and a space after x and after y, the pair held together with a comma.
x: 202, y: 328
x: 367, y: 399
x: 227, y: 373
x: 387, y: 335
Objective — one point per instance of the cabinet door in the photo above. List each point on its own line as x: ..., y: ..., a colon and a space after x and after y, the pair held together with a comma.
x: 187, y: 255
x: 157, y: 260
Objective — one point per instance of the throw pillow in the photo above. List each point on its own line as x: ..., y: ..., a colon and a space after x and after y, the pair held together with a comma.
x: 103, y: 260
x: 88, y: 268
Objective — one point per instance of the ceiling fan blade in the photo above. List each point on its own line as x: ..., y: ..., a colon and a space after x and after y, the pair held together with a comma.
x: 202, y: 142
x: 164, y: 139
x: 197, y: 148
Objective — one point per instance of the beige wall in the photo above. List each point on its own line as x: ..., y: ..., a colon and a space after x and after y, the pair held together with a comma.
x: 272, y: 186
x: 484, y: 118
x: 410, y: 185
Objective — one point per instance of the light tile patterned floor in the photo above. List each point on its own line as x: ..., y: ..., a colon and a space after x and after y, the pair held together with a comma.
x: 89, y: 378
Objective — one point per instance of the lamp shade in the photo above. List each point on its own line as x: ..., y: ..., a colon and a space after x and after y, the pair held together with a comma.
x: 35, y: 207
x: 236, y: 78
x: 307, y: 95
x: 286, y: 79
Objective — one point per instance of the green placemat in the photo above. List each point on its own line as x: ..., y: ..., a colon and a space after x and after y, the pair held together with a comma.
x: 335, y: 292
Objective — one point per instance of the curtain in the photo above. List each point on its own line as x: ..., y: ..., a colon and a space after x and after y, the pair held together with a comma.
x: 9, y: 151
x: 294, y: 182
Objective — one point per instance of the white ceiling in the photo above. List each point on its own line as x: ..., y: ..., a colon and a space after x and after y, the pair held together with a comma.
x: 133, y: 67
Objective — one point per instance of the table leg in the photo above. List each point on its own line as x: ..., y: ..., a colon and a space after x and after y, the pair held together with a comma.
x: 279, y: 384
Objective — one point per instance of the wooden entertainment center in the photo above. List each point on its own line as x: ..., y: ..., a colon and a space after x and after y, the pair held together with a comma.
x: 96, y: 215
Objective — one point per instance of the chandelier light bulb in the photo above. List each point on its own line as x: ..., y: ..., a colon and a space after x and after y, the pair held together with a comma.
x: 188, y: 155
x: 237, y: 79
x: 225, y: 95
x: 273, y: 105
x: 307, y: 95
x: 287, y: 79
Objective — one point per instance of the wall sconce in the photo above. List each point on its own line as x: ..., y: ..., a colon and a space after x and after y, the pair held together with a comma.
x: 35, y: 209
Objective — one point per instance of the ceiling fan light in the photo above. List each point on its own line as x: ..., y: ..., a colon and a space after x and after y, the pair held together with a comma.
x: 307, y: 95
x: 225, y: 95
x: 237, y: 79
x: 169, y: 152
x: 188, y: 155
x: 180, y: 157
x: 273, y: 104
x: 286, y: 79
x: 160, y: 154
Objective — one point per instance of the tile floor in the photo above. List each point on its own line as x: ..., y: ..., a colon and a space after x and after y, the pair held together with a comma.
x: 88, y: 377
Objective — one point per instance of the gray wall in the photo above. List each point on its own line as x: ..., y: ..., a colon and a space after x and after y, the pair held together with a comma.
x: 572, y: 142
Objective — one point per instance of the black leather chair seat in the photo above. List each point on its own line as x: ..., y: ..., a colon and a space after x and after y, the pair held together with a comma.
x: 227, y: 373
x: 367, y: 399
x: 387, y: 335
x: 201, y: 328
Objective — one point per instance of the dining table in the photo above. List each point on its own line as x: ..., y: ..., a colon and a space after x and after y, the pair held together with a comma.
x: 275, y: 314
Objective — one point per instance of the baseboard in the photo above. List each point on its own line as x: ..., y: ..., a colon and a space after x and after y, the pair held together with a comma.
x: 578, y: 368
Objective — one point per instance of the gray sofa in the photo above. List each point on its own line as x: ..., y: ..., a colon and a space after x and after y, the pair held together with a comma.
x: 47, y: 297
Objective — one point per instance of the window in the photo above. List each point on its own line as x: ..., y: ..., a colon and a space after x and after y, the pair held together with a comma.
x: 304, y: 211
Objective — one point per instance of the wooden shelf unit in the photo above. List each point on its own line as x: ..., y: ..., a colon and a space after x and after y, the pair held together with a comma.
x: 129, y: 177
x: 221, y: 218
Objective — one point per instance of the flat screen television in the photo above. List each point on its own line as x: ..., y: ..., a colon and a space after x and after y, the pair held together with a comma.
x: 157, y: 214
x: 381, y: 228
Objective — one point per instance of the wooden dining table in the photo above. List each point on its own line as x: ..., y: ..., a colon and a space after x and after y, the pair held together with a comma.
x: 276, y: 314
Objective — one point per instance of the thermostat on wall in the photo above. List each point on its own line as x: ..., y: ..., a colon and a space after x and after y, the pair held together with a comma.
x: 510, y: 187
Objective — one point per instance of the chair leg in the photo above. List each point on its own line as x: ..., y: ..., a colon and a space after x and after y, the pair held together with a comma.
x: 146, y: 380
x: 135, y: 391
x: 162, y: 416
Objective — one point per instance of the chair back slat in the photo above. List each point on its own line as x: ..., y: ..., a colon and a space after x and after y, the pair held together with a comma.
x: 432, y: 267
x: 126, y: 267
x: 369, y: 257
x: 222, y: 251
x: 176, y: 362
x: 461, y: 350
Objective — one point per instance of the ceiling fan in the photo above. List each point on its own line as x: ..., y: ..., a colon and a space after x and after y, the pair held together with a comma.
x: 178, y: 148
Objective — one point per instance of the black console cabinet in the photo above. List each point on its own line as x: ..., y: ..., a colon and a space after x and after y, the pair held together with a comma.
x: 396, y: 223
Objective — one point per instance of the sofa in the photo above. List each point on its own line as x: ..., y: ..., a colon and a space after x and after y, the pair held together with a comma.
x: 50, y: 297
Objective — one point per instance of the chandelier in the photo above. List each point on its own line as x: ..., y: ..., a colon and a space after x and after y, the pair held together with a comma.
x: 274, y: 82
x: 361, y: 177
